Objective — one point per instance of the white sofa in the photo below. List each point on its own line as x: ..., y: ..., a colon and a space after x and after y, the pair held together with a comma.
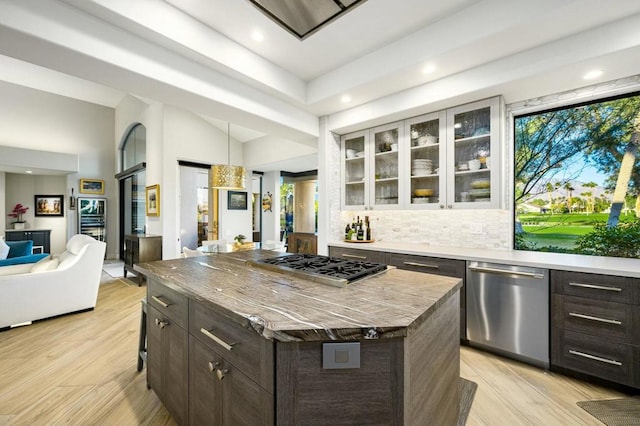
x: 53, y: 286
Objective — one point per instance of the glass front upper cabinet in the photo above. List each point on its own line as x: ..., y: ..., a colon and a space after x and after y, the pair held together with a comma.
x: 386, y: 142
x: 473, y: 135
x: 441, y: 160
x: 355, y: 170
x: 426, y: 161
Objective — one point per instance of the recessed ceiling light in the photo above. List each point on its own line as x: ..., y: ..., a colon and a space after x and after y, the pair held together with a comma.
x: 345, y: 99
x: 592, y: 74
x: 28, y: 172
x: 428, y: 69
x: 257, y: 35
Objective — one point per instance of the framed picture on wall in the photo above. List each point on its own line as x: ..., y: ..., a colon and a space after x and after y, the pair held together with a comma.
x: 49, y: 205
x: 237, y: 200
x: 92, y: 186
x: 153, y: 200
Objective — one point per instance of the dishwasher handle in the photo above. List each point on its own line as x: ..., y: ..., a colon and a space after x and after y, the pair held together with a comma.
x: 489, y: 270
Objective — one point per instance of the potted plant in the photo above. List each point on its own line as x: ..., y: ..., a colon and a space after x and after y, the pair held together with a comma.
x: 17, y: 212
x: 240, y: 238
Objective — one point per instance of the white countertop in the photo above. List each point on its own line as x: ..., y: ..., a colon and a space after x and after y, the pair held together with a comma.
x: 560, y: 261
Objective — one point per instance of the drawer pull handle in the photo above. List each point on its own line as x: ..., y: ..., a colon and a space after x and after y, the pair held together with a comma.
x: 216, y: 339
x: 592, y: 318
x: 354, y: 256
x: 160, y: 301
x: 595, y: 358
x: 595, y: 287
x: 422, y: 265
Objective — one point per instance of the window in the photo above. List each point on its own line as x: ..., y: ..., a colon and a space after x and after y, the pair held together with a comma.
x: 576, y: 178
x: 134, y: 147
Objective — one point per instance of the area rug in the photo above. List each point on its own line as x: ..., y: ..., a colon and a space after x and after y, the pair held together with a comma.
x: 614, y: 412
x: 116, y: 270
x: 467, y: 392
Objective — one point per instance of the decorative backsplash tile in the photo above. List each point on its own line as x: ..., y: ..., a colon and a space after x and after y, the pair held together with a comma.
x: 451, y: 228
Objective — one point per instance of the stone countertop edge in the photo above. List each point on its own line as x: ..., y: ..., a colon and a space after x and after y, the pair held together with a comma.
x: 625, y: 267
x: 274, y: 322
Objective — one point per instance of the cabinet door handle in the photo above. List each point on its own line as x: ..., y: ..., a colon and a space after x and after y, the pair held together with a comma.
x: 157, y: 299
x: 595, y: 287
x: 595, y: 358
x: 422, y: 265
x: 161, y: 324
x: 354, y: 256
x: 216, y: 339
x: 592, y: 318
x: 213, y: 366
x: 221, y: 373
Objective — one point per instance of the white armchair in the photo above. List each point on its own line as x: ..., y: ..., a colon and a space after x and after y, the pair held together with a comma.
x: 53, y: 286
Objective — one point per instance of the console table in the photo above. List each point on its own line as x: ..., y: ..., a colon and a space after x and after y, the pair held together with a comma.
x: 41, y: 238
x: 140, y: 248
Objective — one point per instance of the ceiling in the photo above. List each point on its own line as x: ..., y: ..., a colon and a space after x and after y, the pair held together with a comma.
x: 380, y: 60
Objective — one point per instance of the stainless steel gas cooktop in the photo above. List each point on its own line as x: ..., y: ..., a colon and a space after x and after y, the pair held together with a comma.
x: 324, y: 269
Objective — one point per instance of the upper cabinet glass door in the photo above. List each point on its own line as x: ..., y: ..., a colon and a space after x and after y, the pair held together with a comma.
x: 427, y: 160
x: 473, y: 141
x: 355, y: 166
x: 385, y: 147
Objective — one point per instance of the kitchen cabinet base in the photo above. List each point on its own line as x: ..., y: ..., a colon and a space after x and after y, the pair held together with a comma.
x: 595, y: 380
x: 399, y: 381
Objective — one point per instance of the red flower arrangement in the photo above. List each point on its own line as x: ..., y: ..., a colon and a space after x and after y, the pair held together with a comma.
x: 18, y: 211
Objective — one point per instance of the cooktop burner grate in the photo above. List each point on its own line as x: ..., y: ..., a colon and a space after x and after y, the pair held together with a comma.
x: 331, y: 269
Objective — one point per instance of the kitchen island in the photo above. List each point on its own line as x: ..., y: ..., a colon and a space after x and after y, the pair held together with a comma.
x: 231, y: 343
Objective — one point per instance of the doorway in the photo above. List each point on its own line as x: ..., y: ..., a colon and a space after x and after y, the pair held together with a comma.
x: 198, y: 205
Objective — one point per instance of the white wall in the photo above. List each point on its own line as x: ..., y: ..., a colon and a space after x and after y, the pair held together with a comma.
x: 174, y: 134
x: 3, y: 216
x: 22, y: 188
x: 37, y: 120
x: 234, y: 222
x: 188, y: 137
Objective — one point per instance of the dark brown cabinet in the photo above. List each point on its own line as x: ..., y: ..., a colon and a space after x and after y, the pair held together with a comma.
x: 357, y: 254
x: 167, y: 349
x: 41, y: 238
x: 426, y: 264
x: 230, y: 371
x: 221, y: 394
x: 593, y: 330
x: 438, y: 266
x: 302, y: 242
x: 140, y: 248
x: 236, y: 375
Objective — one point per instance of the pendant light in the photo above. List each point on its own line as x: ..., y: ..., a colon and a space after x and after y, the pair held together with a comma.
x: 226, y: 176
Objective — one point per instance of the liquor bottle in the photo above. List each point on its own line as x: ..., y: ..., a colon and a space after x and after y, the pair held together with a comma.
x: 368, y: 225
x: 360, y: 236
x: 347, y: 232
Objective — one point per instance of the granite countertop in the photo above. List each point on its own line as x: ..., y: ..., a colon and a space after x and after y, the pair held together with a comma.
x: 287, y: 308
x: 560, y: 261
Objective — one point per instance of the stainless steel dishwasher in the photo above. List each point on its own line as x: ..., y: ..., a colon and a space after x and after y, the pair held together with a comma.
x: 508, y: 310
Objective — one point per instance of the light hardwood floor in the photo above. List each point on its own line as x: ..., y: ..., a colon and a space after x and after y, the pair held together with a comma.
x: 80, y: 369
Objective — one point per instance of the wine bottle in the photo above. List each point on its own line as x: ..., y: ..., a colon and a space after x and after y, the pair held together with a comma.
x: 368, y: 231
